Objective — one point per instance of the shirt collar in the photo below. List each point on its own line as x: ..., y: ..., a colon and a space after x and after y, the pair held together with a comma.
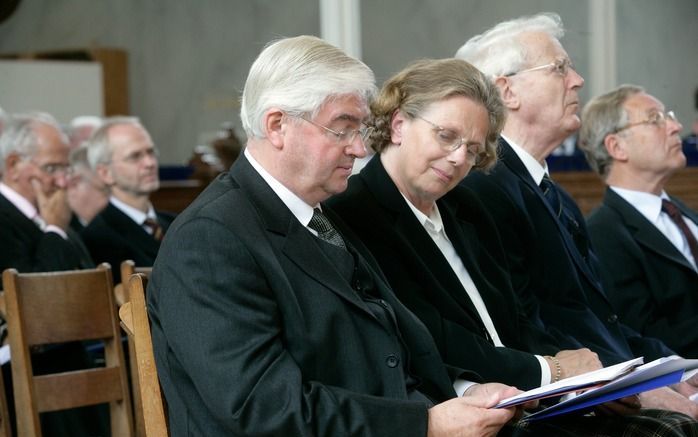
x: 19, y: 201
x: 301, y: 210
x: 648, y: 204
x: 135, y: 214
x: 535, y: 169
x: 431, y: 222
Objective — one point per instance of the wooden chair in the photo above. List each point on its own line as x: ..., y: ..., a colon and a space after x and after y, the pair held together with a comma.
x: 60, y: 307
x: 134, y: 319
x: 121, y: 295
x: 127, y: 268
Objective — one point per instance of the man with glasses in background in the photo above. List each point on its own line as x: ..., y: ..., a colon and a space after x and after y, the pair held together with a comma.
x: 122, y: 154
x: 34, y: 225
x: 645, y: 239
x: 35, y: 236
x: 552, y: 263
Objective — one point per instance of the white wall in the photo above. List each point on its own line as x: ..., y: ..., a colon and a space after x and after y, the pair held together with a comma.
x: 188, y: 60
x: 64, y: 89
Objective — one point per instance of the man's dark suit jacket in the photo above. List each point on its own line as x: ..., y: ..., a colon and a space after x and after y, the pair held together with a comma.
x: 548, y: 270
x: 424, y: 281
x: 653, y: 283
x: 257, y: 332
x: 113, y: 237
x: 27, y: 248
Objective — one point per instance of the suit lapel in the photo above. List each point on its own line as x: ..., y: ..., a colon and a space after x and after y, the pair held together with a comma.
x: 132, y: 232
x: 688, y: 212
x: 295, y: 241
x: 512, y: 161
x: 463, y: 236
x: 16, y: 216
x: 85, y: 259
x: 644, y: 232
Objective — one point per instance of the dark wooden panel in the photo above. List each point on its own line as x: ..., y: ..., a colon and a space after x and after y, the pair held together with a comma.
x: 174, y: 196
x: 587, y: 188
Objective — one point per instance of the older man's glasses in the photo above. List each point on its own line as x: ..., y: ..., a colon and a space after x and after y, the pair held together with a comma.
x: 54, y: 170
x: 450, y: 141
x: 655, y: 119
x: 559, y: 66
x: 346, y: 136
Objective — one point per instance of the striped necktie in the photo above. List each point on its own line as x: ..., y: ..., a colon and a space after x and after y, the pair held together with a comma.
x: 674, y: 213
x: 155, y: 228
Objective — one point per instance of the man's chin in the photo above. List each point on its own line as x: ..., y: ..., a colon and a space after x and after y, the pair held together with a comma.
x: 151, y: 187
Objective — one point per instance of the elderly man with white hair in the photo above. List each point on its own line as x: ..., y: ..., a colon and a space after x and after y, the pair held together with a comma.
x: 269, y: 317
x: 553, y: 264
x: 34, y: 225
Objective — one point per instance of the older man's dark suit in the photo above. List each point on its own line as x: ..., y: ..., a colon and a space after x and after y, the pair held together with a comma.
x: 113, y: 237
x: 27, y: 248
x: 257, y: 330
x: 548, y: 270
x: 652, y: 282
x: 425, y: 282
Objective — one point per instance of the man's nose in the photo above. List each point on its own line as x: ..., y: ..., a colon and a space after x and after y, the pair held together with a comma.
x: 61, y: 180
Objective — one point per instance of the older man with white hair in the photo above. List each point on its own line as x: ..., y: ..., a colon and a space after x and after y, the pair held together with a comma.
x: 34, y: 224
x: 269, y: 317
x: 553, y: 265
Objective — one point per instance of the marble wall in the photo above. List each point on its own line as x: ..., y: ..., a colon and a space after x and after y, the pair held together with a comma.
x: 188, y: 60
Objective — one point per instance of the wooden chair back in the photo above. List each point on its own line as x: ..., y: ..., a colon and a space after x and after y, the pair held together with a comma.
x: 134, y: 319
x: 121, y: 295
x: 127, y: 269
x: 61, y: 307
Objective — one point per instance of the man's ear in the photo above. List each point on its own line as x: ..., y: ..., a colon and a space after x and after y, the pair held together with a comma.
x: 616, y: 147
x: 11, y: 163
x: 104, y: 172
x: 396, y: 122
x: 507, y: 92
x: 275, y: 126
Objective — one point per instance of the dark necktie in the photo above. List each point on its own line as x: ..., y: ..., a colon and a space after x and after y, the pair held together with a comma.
x: 551, y: 194
x: 325, y: 230
x: 675, y: 214
x: 155, y: 228
x: 565, y: 214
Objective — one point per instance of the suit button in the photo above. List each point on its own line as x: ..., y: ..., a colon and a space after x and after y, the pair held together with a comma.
x: 612, y: 318
x: 392, y: 361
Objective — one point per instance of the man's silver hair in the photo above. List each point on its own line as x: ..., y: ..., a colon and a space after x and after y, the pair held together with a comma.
x: 602, y: 116
x: 19, y: 134
x: 99, y: 150
x: 298, y: 75
x: 499, y: 51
